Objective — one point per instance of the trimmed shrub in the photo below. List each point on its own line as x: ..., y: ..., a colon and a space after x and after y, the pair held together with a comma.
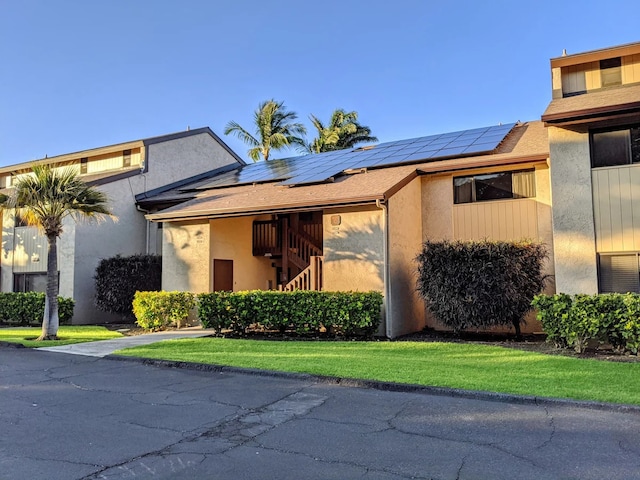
x: 28, y: 308
x: 119, y: 278
x: 480, y: 284
x: 574, y: 321
x: 159, y: 310
x: 346, y: 313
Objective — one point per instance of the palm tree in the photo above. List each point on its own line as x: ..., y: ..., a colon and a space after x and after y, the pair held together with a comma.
x: 274, y: 130
x: 343, y: 131
x: 45, y: 199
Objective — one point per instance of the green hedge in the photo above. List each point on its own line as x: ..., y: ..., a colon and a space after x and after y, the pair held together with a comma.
x: 346, y: 313
x: 28, y: 308
x: 480, y: 284
x: 573, y: 321
x: 158, y: 310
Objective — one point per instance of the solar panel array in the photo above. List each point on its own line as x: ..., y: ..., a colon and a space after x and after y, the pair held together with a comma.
x: 321, y: 167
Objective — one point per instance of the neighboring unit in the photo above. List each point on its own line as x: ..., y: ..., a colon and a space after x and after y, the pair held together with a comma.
x: 594, y: 141
x: 122, y: 171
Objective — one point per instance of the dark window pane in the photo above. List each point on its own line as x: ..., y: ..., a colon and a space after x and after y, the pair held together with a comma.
x: 463, y: 190
x: 611, y: 72
x: 619, y: 273
x: 126, y: 158
x: 635, y: 145
x: 494, y: 186
x: 610, y: 148
x: 83, y: 165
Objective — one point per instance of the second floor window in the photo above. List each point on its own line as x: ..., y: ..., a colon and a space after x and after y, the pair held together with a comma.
x: 615, y: 147
x: 494, y: 186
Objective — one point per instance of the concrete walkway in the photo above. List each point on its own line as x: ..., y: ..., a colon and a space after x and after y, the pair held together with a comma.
x: 103, y: 348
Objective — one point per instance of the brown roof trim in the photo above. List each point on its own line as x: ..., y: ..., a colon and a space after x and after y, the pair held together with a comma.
x: 401, y: 184
x: 115, y: 177
x: 483, y: 163
x: 591, y: 112
x: 595, y: 55
x: 284, y: 208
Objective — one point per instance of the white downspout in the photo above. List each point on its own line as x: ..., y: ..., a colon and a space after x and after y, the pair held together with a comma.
x: 387, y: 287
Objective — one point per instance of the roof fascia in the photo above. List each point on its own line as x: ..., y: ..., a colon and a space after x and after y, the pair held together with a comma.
x: 596, y: 55
x: 284, y: 208
x: 590, y: 113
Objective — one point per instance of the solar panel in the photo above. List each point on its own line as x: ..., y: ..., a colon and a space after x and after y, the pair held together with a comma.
x: 320, y: 167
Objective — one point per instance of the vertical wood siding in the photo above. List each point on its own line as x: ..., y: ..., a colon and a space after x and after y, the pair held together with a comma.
x: 499, y: 220
x: 631, y: 68
x: 616, y: 204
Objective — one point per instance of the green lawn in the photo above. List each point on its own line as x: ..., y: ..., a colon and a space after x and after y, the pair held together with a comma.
x: 67, y: 334
x: 466, y: 366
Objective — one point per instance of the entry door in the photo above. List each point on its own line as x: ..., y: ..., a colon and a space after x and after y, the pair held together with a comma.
x: 222, y: 275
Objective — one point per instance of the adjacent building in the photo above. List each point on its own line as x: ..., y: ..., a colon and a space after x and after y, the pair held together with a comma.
x: 122, y: 171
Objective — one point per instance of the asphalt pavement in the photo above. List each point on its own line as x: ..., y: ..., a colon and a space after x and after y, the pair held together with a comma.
x: 79, y: 417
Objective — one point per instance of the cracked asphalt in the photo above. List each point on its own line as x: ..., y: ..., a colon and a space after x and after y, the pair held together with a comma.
x: 74, y: 417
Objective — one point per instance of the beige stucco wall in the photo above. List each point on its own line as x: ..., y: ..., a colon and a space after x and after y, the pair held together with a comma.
x: 405, y: 310
x: 185, y: 256
x: 354, y: 250
x: 573, y: 219
x: 439, y: 219
x: 232, y: 239
x: 180, y: 158
x: 95, y: 241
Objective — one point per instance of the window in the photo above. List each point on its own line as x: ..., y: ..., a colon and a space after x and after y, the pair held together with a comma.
x: 126, y: 158
x: 494, y: 186
x: 83, y: 165
x: 619, y: 273
x: 611, y: 72
x: 29, y: 282
x: 615, y: 147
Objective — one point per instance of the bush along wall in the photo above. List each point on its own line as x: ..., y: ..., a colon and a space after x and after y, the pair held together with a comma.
x: 574, y: 321
x: 480, y: 284
x: 28, y: 308
x: 340, y: 313
x: 159, y: 310
x: 119, y: 278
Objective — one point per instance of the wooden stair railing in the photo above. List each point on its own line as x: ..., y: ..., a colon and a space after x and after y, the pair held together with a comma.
x: 301, y: 249
x: 308, y: 279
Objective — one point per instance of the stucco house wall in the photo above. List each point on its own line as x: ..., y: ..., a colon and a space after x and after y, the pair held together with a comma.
x: 185, y: 256
x: 405, y: 306
x: 232, y: 239
x: 572, y: 213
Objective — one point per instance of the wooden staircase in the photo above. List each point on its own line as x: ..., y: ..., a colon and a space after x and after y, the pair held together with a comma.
x: 295, y: 247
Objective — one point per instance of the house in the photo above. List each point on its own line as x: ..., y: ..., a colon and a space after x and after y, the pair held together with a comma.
x: 122, y: 171
x: 355, y: 219
x: 593, y: 122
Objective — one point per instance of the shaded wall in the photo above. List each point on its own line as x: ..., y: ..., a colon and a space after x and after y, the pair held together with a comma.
x: 185, y: 256
x: 406, y: 312
x: 232, y: 239
x: 573, y: 219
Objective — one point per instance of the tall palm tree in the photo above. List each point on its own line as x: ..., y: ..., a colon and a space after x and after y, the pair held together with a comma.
x: 275, y: 130
x: 343, y: 131
x: 45, y: 199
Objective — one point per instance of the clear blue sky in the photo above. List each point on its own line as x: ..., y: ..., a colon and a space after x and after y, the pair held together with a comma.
x: 81, y: 74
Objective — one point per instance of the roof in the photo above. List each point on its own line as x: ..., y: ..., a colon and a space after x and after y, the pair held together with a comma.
x: 526, y: 142
x: 595, y: 55
x: 117, y: 147
x: 622, y: 99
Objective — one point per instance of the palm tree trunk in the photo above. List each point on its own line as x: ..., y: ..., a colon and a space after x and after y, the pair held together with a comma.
x: 50, y: 320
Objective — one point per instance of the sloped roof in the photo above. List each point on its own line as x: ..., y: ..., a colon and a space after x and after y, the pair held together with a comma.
x: 622, y: 99
x: 526, y: 142
x: 117, y: 147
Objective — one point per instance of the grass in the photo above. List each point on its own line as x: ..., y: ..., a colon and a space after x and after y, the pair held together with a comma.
x: 67, y: 335
x: 465, y: 366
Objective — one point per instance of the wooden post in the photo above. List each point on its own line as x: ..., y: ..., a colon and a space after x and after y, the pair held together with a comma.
x: 285, y: 251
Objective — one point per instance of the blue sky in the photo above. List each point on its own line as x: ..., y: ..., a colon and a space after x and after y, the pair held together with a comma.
x: 83, y: 74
